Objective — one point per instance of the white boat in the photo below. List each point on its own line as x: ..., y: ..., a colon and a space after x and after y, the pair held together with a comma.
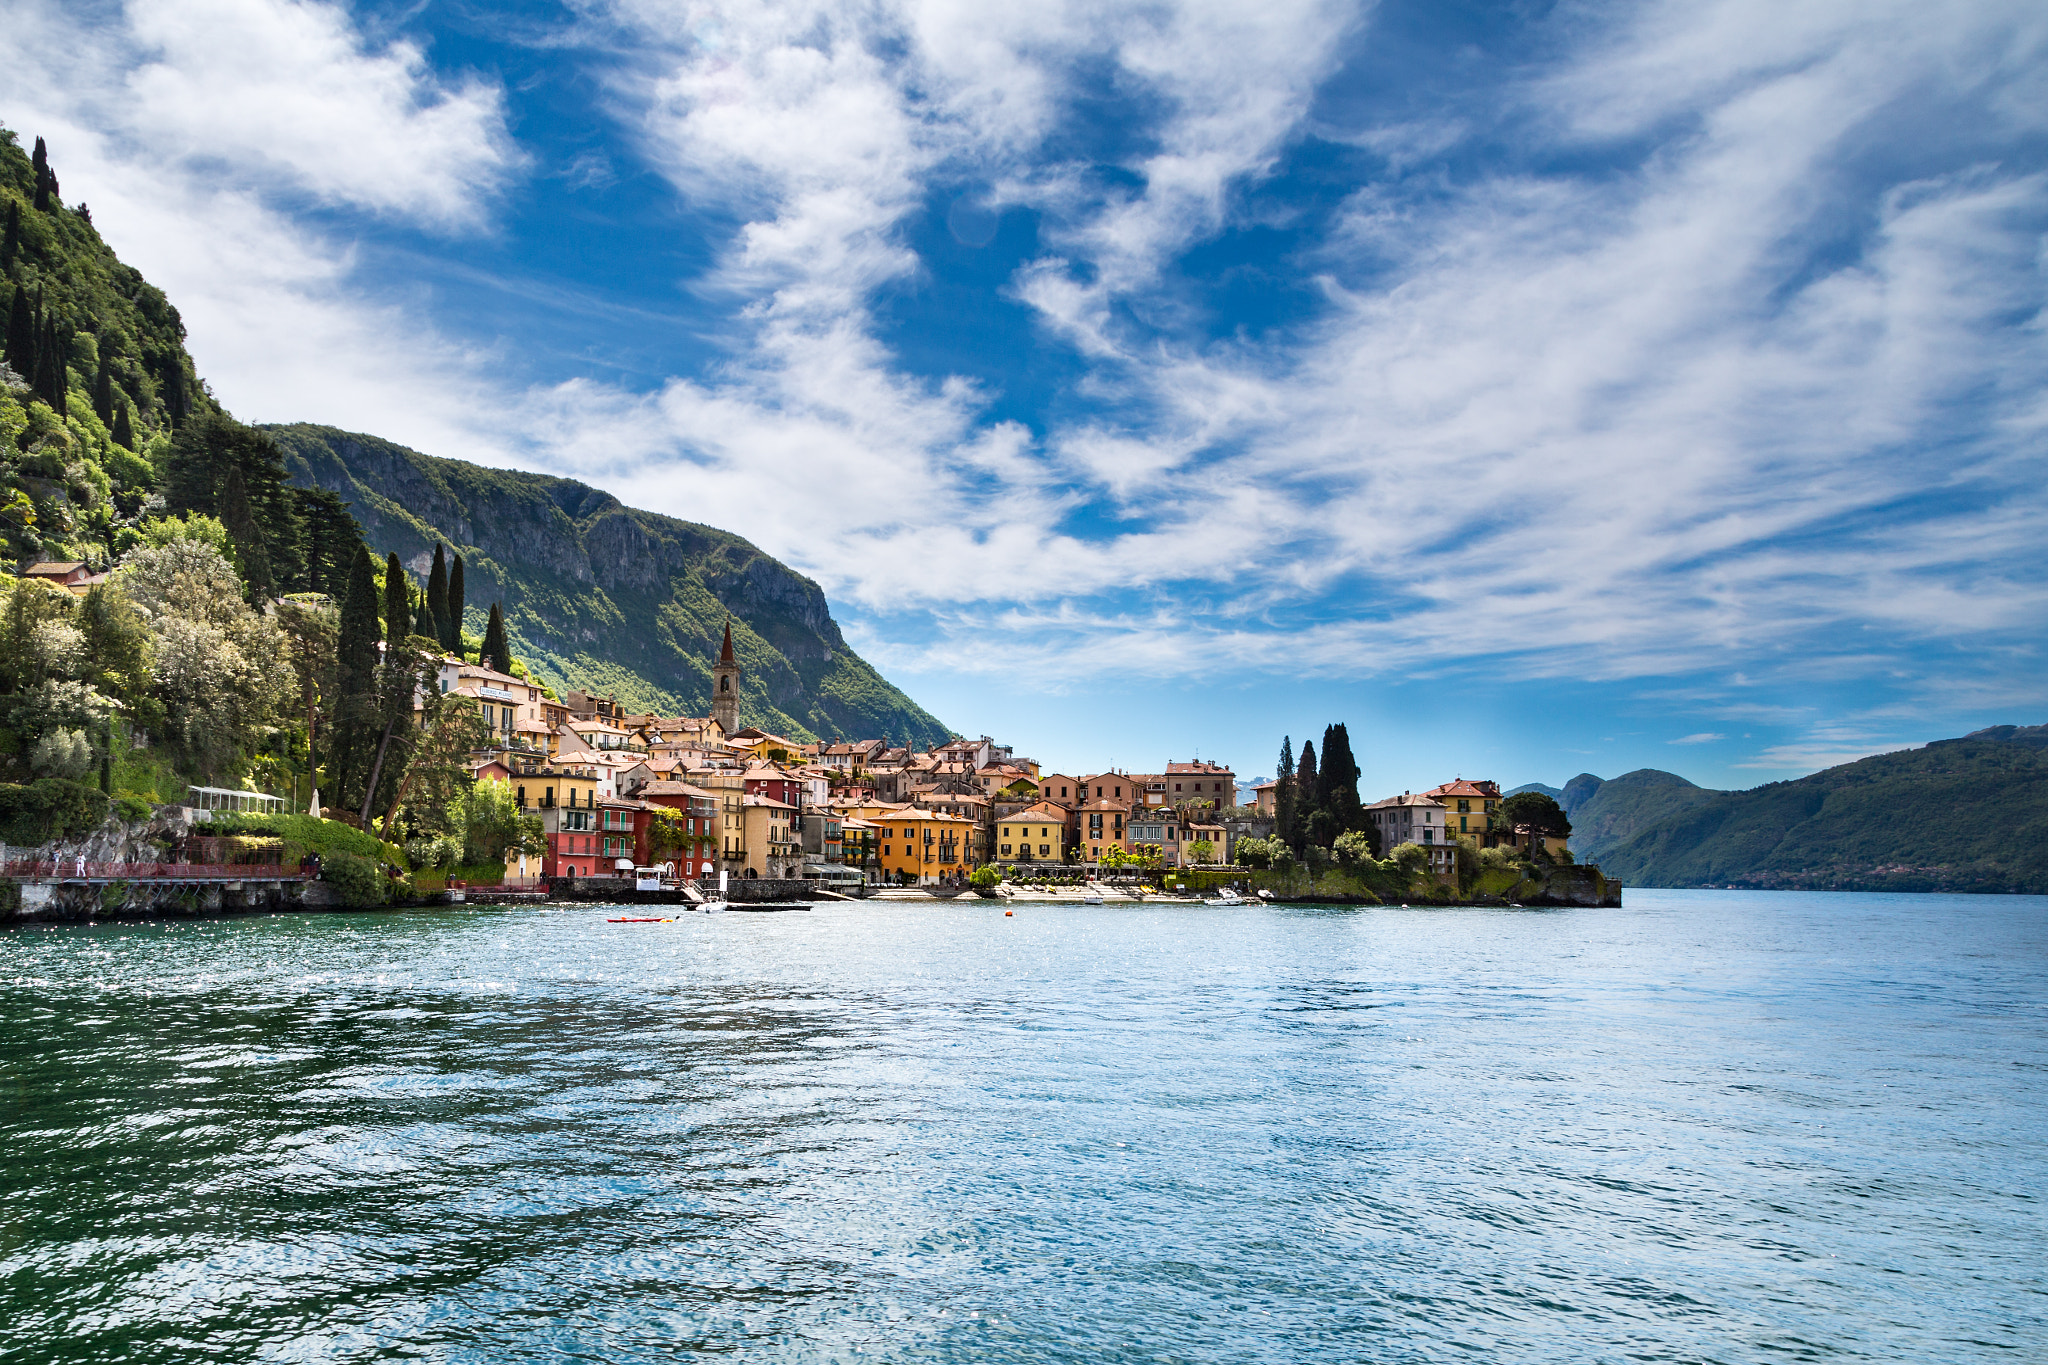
x: 721, y: 905
x: 1226, y: 898
x: 1092, y: 898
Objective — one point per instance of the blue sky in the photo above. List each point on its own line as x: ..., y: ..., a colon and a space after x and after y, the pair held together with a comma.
x: 1537, y: 388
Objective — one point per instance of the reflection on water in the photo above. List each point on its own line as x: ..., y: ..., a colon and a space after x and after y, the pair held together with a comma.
x: 1717, y: 1126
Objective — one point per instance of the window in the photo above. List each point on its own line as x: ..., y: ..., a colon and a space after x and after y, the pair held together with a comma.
x: 1464, y: 806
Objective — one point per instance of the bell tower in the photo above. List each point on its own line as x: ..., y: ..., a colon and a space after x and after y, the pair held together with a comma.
x: 725, y: 687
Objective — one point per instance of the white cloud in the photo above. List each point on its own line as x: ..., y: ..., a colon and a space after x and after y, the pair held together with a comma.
x: 1704, y: 737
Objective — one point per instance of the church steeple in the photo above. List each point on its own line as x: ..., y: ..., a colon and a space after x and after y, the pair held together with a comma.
x: 725, y: 687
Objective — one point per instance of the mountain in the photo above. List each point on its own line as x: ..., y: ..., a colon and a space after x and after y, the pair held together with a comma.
x: 1967, y: 814
x: 1607, y: 814
x: 1552, y: 792
x: 605, y: 597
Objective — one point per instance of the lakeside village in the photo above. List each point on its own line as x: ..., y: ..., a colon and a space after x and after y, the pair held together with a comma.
x: 491, y: 784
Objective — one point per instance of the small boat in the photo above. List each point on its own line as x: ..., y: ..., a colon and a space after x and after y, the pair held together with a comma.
x: 1092, y: 898
x: 641, y: 920
x: 714, y: 907
x: 1226, y: 898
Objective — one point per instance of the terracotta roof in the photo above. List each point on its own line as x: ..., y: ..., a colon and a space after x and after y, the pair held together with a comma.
x: 1403, y: 800
x: 1467, y: 788
x: 1202, y: 769
x: 1050, y: 814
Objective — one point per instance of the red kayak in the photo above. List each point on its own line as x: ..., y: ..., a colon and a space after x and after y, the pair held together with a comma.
x: 640, y: 921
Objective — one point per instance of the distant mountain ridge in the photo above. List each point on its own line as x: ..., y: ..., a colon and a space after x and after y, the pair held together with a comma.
x: 605, y: 597
x: 1967, y: 814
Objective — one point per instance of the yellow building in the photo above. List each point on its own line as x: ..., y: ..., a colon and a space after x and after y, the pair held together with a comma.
x: 923, y: 845
x: 1037, y: 834
x: 1468, y: 807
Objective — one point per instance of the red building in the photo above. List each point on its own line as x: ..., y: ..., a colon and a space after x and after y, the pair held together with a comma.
x: 776, y: 784
x: 699, y: 811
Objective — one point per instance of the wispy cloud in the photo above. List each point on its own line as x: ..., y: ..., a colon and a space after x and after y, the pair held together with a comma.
x: 1703, y: 737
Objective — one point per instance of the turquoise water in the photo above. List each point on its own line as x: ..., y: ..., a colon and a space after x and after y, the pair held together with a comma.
x: 1711, y: 1126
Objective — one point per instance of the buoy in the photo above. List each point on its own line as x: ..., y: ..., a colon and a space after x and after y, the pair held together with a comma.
x: 1008, y: 913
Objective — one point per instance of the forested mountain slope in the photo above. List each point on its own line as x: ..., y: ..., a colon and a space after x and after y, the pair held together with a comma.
x: 602, y: 596
x: 1967, y: 814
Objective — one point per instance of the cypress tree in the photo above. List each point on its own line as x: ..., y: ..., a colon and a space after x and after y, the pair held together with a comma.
x: 355, y: 710
x: 1304, y: 797
x: 103, y: 392
x: 10, y: 247
x: 1337, y: 794
x: 496, y: 652
x: 451, y: 624
x: 50, y: 377
x: 424, y: 622
x: 173, y: 395
x: 437, y: 593
x: 124, y: 429
x: 397, y: 609
x: 21, y: 335
x: 1283, y: 794
x: 41, y: 162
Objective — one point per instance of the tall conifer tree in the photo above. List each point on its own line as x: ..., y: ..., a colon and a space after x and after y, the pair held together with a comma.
x: 21, y: 335
x: 124, y: 428
x: 51, y: 379
x: 1338, y: 782
x: 423, y: 623
x: 397, y: 607
x: 451, y: 624
x: 352, y: 731
x: 41, y: 161
x: 1304, y: 797
x: 10, y: 246
x: 496, y: 652
x: 437, y: 592
x: 1284, y: 795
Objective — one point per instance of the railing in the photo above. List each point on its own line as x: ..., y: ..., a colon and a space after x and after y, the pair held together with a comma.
x: 136, y: 872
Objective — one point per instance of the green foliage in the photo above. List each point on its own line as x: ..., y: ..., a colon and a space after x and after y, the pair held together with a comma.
x: 494, y: 827
x: 303, y: 833
x: 1537, y: 810
x: 985, y: 877
x: 355, y: 879
x: 49, y: 809
x: 1353, y: 848
x: 496, y: 653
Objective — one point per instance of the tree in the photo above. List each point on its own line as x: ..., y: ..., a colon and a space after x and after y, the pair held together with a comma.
x: 219, y: 668
x: 22, y: 331
x: 10, y: 245
x: 437, y: 592
x: 423, y: 622
x: 1353, y: 848
x: 203, y: 453
x: 50, y: 380
x: 103, y: 389
x: 665, y: 834
x: 329, y: 538
x: 1536, y: 810
x: 1304, y: 799
x: 451, y: 624
x: 46, y: 183
x: 310, y: 632
x: 494, y: 827
x: 496, y: 652
x: 1337, y: 783
x: 1284, y: 794
x: 124, y: 428
x: 240, y: 521
x: 355, y: 672
x: 1201, y: 850
x: 437, y: 772
x: 397, y: 610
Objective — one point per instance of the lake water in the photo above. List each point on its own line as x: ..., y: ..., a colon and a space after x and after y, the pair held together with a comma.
x: 1709, y: 1126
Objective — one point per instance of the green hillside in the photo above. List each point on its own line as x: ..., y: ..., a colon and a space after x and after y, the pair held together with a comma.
x: 605, y: 597
x: 93, y: 374
x: 1966, y: 814
x: 1607, y: 814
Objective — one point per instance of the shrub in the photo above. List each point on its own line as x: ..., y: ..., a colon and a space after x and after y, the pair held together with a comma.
x: 48, y: 809
x: 985, y: 877
x: 354, y: 878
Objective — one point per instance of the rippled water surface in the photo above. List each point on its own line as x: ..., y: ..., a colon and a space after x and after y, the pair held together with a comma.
x: 1710, y: 1126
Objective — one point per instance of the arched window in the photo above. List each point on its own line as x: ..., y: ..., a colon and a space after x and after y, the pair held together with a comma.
x: 725, y: 684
